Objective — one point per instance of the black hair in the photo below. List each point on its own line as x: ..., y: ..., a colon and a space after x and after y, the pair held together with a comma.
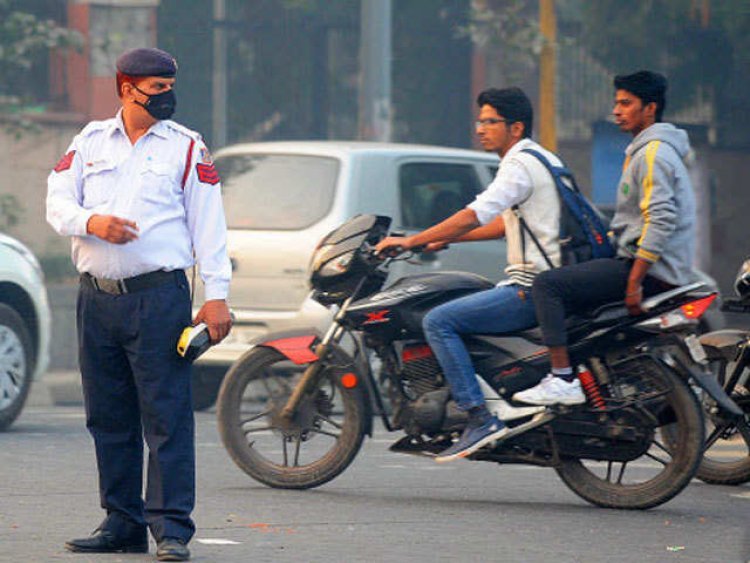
x: 646, y: 85
x: 512, y: 104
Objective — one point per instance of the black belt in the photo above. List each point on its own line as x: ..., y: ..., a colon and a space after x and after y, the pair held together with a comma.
x: 136, y: 283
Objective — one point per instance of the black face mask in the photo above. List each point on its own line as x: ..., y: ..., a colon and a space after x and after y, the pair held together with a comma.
x: 159, y: 106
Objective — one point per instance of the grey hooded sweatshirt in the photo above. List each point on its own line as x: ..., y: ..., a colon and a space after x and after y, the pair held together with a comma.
x: 655, y: 215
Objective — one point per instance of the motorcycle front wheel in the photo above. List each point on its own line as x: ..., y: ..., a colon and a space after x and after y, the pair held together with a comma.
x: 310, y: 449
x: 666, y: 467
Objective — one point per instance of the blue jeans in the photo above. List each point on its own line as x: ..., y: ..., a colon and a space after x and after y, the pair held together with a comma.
x: 501, y: 309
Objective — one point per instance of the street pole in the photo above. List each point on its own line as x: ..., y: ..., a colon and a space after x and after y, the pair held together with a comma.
x: 219, y: 81
x: 547, y: 71
x: 375, y: 112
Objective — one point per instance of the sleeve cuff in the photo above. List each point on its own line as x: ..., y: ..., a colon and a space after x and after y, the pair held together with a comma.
x: 83, y: 220
x: 482, y: 215
x: 646, y: 255
x: 216, y: 290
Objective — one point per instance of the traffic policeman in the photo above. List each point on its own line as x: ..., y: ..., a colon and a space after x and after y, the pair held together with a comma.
x: 140, y: 198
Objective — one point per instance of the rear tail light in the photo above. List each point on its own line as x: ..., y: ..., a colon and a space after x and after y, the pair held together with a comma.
x: 695, y: 309
x: 686, y: 314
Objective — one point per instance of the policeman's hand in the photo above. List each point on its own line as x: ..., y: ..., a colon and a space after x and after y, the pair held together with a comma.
x: 215, y: 313
x: 392, y: 246
x: 633, y: 299
x: 112, y: 229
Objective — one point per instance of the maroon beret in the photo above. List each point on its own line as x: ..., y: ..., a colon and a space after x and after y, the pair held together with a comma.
x: 147, y: 62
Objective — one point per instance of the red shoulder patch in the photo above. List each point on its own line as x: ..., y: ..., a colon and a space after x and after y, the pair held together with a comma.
x: 65, y: 162
x: 207, y: 173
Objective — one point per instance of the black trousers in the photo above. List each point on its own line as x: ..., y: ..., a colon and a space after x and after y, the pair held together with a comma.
x: 137, y: 387
x: 564, y: 291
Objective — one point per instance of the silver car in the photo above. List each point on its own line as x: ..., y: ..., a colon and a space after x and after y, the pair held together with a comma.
x: 24, y: 326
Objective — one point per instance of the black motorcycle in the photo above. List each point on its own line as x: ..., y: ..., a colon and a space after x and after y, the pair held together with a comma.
x: 726, y: 457
x: 293, y: 411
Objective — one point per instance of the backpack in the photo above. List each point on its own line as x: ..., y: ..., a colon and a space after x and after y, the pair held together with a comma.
x: 583, y: 228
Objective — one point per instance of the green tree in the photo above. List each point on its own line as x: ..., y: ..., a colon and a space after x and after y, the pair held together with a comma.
x: 25, y: 39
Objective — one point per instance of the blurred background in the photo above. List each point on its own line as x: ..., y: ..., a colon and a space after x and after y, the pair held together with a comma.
x: 387, y: 70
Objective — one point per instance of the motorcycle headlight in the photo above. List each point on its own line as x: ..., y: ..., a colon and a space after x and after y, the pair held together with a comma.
x: 337, y: 265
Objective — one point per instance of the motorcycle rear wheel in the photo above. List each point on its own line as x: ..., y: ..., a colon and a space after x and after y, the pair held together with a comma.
x: 601, y: 484
x: 314, y: 447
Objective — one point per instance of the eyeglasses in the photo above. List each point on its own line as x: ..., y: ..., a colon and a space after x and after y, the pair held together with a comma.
x: 489, y: 121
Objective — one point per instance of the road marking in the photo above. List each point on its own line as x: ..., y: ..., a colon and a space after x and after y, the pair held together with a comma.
x: 741, y: 495
x: 217, y: 541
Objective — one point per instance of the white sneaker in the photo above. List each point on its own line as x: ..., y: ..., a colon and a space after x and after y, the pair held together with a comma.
x: 553, y: 391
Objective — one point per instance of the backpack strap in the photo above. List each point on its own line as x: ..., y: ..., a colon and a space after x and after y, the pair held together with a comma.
x: 555, y: 171
x: 525, y: 227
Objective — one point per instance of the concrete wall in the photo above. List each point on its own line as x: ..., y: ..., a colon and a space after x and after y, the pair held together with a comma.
x: 25, y: 163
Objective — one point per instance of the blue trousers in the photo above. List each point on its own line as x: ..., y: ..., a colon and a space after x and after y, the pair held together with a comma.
x: 136, y: 387
x: 501, y: 309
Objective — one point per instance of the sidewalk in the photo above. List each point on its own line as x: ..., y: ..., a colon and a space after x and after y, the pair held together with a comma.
x: 56, y: 388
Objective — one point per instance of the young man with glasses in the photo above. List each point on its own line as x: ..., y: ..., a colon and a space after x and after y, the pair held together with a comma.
x: 504, y: 127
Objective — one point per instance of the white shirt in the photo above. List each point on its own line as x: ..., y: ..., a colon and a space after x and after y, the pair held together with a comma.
x: 523, y: 181
x: 103, y: 173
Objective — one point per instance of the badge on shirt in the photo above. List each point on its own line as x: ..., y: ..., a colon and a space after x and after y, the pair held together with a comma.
x: 65, y: 162
x: 207, y: 173
x: 206, y: 156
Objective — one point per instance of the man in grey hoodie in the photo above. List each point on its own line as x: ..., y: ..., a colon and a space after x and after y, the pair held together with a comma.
x: 654, y: 224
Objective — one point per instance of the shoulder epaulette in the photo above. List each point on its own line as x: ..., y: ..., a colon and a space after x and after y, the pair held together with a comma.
x: 182, y: 129
x: 93, y: 126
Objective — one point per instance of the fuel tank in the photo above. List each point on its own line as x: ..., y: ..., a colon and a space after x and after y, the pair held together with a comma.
x: 397, y: 311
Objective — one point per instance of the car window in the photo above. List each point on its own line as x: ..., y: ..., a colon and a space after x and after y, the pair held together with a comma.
x: 431, y: 191
x: 276, y: 191
x: 492, y: 170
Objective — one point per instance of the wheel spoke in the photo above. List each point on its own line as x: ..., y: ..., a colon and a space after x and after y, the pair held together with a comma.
x: 622, y: 472
x: 713, y: 437
x: 330, y: 421
x: 255, y: 417
x: 657, y: 458
x: 296, y: 451
x: 661, y: 446
x: 609, y: 471
x: 325, y: 432
x: 286, y: 455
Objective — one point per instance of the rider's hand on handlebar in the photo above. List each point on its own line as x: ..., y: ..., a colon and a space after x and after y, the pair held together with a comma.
x: 435, y: 246
x: 392, y: 246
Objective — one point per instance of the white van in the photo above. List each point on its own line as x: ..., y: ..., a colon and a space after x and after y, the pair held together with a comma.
x: 281, y: 198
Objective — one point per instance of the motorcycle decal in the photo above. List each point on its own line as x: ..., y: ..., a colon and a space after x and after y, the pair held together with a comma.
x: 399, y: 293
x: 377, y: 317
x: 296, y: 348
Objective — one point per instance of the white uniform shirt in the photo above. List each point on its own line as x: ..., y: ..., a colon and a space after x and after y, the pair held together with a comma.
x: 523, y: 181
x: 177, y: 205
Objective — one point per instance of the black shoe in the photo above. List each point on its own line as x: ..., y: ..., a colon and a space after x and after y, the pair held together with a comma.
x: 172, y: 549
x: 103, y: 541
